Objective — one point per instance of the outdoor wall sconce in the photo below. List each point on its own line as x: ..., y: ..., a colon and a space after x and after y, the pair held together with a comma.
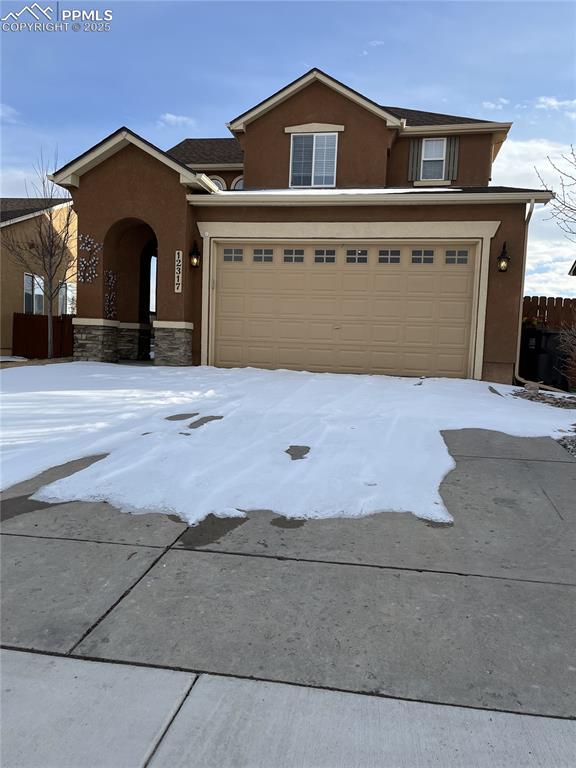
x: 194, y: 255
x: 503, y: 259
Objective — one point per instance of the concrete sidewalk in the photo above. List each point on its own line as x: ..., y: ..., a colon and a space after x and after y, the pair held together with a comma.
x: 67, y: 713
x: 478, y: 615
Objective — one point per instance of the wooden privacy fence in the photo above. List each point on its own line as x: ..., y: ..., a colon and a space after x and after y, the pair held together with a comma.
x: 30, y: 335
x: 549, y: 312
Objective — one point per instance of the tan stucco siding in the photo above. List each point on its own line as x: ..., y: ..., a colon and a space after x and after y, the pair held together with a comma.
x: 474, y: 161
x: 12, y: 273
x: 362, y: 145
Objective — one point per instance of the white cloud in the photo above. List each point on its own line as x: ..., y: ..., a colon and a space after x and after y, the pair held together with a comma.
x: 517, y: 160
x: 550, y: 255
x: 551, y: 102
x: 377, y: 43
x: 498, y: 103
x: 8, y: 114
x: 547, y: 265
x: 18, y: 182
x: 168, y: 120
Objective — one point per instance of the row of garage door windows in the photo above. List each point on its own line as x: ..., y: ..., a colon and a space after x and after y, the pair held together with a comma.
x: 353, y: 256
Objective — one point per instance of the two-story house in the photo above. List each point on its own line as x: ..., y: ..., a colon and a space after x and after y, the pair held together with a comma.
x: 329, y: 233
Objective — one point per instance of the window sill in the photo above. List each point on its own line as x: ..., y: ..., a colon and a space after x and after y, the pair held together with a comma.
x: 432, y: 183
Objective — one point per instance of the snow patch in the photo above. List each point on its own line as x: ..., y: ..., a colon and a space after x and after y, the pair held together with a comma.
x: 375, y: 442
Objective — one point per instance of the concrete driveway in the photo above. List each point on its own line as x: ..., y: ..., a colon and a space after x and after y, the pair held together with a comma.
x: 479, y: 614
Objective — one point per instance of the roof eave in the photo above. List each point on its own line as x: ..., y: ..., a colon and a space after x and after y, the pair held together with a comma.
x: 425, y: 198
x: 69, y: 175
x: 34, y: 214
x: 238, y: 125
x: 435, y: 130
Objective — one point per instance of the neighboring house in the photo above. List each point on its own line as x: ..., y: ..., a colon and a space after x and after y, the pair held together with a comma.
x: 21, y: 289
x: 330, y: 233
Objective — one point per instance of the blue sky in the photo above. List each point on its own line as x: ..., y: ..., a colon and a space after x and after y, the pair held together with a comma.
x: 174, y: 69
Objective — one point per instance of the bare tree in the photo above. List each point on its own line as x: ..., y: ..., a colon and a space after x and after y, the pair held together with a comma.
x: 563, y: 207
x: 48, y: 253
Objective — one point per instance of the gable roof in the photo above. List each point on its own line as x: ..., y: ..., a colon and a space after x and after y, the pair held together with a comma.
x: 398, y: 117
x: 314, y: 75
x: 208, y: 152
x: 12, y: 208
x: 69, y: 175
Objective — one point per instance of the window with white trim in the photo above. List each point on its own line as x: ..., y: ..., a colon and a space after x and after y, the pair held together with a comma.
x: 422, y: 257
x: 67, y: 299
x: 33, y: 294
x: 233, y: 254
x: 356, y: 256
x: 433, y: 159
x: 457, y: 257
x: 325, y: 256
x: 388, y: 256
x: 219, y: 181
x: 238, y: 183
x: 263, y: 255
x: 313, y: 159
x: 293, y: 255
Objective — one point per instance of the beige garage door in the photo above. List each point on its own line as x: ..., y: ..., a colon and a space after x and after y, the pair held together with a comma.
x: 359, y: 307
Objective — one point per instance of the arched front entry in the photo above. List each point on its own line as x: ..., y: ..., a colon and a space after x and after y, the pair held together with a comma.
x: 130, y: 245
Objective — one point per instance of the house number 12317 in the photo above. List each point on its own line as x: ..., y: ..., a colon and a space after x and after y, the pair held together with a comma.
x: 178, y: 272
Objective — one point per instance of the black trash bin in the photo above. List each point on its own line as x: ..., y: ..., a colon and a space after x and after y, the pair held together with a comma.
x: 540, y: 357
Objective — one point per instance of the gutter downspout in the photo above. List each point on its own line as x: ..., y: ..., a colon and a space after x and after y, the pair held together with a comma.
x: 517, y: 376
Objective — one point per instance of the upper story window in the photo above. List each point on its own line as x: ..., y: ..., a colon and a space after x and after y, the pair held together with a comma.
x: 33, y: 294
x: 433, y: 159
x: 313, y: 159
x: 219, y: 181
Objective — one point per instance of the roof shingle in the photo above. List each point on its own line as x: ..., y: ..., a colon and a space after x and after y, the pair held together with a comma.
x: 417, y: 117
x: 209, y: 151
x: 15, y: 207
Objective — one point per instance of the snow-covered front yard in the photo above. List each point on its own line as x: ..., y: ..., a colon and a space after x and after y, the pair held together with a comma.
x: 374, y: 442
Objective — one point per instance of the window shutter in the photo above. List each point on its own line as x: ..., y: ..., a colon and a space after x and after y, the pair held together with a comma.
x: 414, y: 159
x: 452, y: 158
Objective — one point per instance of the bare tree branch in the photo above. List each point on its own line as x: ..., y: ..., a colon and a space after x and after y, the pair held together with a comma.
x: 563, y: 207
x: 48, y: 253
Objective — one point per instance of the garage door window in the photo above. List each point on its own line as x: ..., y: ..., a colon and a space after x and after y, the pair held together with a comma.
x: 293, y: 255
x: 324, y: 256
x: 263, y: 255
x: 233, y: 254
x: 456, y: 257
x: 422, y: 257
x: 387, y: 256
x: 356, y: 256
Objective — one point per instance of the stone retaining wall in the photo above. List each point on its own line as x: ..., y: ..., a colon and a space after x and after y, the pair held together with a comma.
x: 96, y: 342
x: 173, y: 346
